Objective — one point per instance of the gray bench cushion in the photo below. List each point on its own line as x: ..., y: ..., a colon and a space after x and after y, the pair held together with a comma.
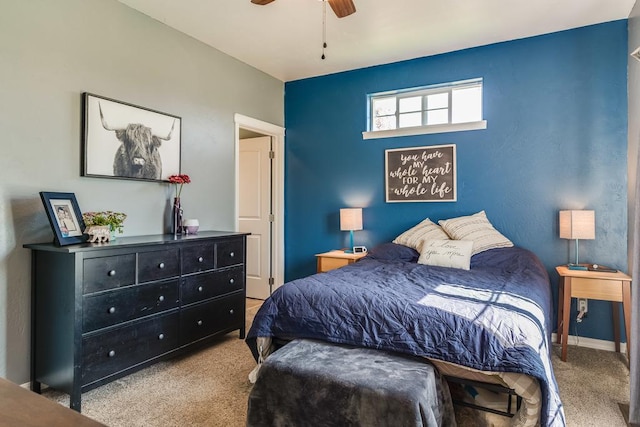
x: 311, y: 383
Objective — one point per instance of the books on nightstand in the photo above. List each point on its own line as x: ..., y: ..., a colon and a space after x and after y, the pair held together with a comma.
x: 592, y: 267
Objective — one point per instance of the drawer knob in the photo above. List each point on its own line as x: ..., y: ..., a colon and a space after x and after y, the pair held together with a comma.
x: 161, y: 265
x: 200, y: 289
x: 161, y: 336
x: 112, y: 353
x: 231, y: 311
x: 112, y: 273
x: 232, y: 254
x: 200, y: 259
x: 199, y: 322
x: 112, y: 310
x: 232, y: 281
x: 161, y: 298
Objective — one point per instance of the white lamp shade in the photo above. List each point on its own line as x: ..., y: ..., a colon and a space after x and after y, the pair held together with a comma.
x: 350, y: 219
x: 578, y: 224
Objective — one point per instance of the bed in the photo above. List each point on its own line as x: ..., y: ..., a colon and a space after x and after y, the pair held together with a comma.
x: 490, y: 323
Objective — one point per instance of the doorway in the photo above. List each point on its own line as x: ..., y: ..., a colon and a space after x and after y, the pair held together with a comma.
x: 260, y: 202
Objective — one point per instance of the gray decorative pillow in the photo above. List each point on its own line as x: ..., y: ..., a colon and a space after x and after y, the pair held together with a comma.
x: 415, y: 236
x: 477, y: 228
x: 447, y: 253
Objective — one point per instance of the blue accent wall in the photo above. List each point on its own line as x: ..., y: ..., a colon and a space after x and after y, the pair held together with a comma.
x: 556, y: 138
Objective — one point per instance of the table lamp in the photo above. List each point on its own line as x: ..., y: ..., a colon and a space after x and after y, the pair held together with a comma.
x: 350, y: 220
x: 577, y: 224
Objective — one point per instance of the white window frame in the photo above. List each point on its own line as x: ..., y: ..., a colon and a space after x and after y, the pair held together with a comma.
x: 447, y: 88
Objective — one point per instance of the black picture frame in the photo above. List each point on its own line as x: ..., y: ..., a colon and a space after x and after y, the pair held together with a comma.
x: 65, y: 217
x: 421, y: 174
x: 114, y: 130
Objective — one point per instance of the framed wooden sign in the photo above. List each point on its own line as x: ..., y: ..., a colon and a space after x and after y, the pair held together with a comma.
x: 421, y: 174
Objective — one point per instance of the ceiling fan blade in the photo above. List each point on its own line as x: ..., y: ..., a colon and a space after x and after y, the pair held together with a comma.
x: 342, y: 8
x: 261, y: 2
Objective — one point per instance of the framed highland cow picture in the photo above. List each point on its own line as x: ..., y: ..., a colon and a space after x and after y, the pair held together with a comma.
x: 125, y: 141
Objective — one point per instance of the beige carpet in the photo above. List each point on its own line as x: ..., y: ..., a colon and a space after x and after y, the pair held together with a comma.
x: 210, y: 388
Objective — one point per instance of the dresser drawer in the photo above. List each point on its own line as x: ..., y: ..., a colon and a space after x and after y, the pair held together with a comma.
x: 200, y: 287
x: 197, y: 258
x: 121, y: 305
x: 108, y: 272
x: 158, y: 265
x: 229, y: 252
x: 206, y: 319
x: 118, y: 349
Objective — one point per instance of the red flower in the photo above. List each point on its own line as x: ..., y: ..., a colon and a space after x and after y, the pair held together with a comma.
x: 179, y: 179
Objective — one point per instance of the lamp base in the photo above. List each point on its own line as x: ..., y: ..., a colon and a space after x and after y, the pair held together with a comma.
x: 350, y: 249
x: 571, y: 266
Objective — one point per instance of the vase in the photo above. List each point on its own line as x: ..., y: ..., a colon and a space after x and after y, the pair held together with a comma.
x: 176, y: 215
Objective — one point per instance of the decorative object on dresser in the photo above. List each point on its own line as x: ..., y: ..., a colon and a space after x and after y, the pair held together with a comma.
x: 113, y: 220
x: 350, y: 220
x: 126, y: 141
x: 98, y: 233
x: 176, y: 211
x: 191, y: 226
x: 64, y: 216
x: 100, y: 312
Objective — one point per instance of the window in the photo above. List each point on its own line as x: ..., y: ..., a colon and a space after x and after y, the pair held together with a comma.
x: 447, y: 107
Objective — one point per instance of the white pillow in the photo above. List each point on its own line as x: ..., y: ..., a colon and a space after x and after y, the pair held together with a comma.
x: 415, y: 236
x: 477, y: 228
x: 447, y: 253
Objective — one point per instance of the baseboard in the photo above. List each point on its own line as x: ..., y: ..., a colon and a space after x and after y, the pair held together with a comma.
x: 592, y: 343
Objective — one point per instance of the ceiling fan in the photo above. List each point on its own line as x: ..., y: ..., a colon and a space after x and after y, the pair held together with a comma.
x: 341, y: 8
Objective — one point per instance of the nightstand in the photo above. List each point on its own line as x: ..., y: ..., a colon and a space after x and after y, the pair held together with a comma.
x: 336, y: 259
x: 614, y: 287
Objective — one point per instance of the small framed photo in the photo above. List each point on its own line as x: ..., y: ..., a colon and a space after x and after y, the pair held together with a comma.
x: 64, y: 216
x: 126, y: 141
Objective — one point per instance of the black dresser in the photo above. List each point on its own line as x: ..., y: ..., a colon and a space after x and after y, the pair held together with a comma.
x: 103, y: 311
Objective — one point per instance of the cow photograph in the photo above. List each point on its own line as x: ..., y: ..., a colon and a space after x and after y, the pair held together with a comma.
x: 125, y: 141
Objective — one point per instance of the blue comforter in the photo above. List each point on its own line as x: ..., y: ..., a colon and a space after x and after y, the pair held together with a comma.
x: 493, y: 317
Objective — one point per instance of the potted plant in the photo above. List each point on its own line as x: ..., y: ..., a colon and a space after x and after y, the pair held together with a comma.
x: 115, y: 220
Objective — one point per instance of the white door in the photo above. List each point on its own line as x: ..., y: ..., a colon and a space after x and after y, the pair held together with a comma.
x: 254, y: 216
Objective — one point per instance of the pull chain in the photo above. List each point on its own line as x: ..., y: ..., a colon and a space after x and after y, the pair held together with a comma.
x: 324, y: 27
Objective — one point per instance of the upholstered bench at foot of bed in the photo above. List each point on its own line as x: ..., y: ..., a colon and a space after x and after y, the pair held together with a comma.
x: 311, y: 383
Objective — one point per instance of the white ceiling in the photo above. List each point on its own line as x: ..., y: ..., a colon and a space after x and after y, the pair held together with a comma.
x: 284, y: 38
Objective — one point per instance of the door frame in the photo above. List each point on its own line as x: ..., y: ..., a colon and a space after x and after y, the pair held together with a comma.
x: 277, y: 137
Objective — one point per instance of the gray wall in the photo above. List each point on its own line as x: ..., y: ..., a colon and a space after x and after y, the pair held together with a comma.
x: 53, y: 50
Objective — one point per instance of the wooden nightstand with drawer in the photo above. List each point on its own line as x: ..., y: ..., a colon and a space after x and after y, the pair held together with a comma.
x: 604, y: 286
x: 335, y: 259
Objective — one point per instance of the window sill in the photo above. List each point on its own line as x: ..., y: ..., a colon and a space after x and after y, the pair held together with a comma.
x: 424, y: 130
